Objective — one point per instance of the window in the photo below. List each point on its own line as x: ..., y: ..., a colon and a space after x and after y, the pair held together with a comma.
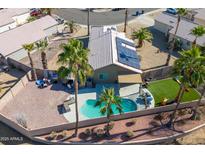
x: 103, y: 76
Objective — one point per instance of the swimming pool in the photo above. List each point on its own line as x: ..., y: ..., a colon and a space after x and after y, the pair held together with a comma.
x: 90, y: 111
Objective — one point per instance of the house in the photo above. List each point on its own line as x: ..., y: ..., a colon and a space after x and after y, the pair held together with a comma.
x: 199, y: 16
x: 166, y: 23
x: 12, y: 17
x: 12, y: 40
x: 113, y: 56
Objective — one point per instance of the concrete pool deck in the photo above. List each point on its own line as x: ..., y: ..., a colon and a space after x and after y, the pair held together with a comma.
x: 92, y: 93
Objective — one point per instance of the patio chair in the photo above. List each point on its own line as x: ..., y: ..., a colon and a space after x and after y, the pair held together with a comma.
x: 68, y: 102
x: 41, y: 83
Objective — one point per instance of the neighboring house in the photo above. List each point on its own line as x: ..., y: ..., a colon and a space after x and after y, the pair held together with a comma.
x: 12, y: 41
x: 113, y: 56
x: 166, y: 23
x: 11, y: 18
x: 199, y: 16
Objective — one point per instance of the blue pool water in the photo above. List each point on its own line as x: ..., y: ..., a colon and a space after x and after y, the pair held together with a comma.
x: 90, y: 111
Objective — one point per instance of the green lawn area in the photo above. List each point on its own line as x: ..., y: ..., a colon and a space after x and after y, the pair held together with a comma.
x: 169, y: 88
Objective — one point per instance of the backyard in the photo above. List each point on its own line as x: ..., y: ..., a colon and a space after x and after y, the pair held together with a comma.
x: 169, y: 88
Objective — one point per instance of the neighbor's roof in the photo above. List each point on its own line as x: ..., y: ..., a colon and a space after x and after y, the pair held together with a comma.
x: 13, y: 40
x: 200, y: 13
x: 104, y: 48
x: 7, y: 14
x: 184, y: 29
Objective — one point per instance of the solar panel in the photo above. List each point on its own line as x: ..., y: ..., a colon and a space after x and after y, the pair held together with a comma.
x: 126, y: 53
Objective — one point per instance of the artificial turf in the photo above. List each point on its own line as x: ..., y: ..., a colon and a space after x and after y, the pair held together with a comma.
x: 169, y: 88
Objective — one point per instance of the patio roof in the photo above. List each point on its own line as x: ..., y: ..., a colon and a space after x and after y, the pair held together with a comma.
x: 130, y: 78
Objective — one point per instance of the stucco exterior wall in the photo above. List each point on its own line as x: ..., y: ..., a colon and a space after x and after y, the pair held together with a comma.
x: 185, y: 43
x: 162, y: 27
x: 112, y: 72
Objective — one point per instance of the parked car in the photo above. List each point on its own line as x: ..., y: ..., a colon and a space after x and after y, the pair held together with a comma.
x: 172, y: 11
x: 35, y: 12
x: 58, y: 19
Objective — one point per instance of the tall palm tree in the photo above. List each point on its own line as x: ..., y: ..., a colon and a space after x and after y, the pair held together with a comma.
x: 180, y: 13
x: 41, y: 46
x: 189, y: 67
x: 126, y: 16
x: 108, y: 100
x: 142, y: 35
x: 198, y: 31
x: 74, y: 59
x: 88, y: 21
x: 29, y: 48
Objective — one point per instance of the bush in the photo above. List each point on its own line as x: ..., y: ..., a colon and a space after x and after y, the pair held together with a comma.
x: 32, y: 18
x: 100, y: 132
x: 110, y: 127
x: 61, y: 135
x: 52, y: 136
x: 129, y: 134
x: 21, y: 120
x: 87, y: 132
x: 196, y: 117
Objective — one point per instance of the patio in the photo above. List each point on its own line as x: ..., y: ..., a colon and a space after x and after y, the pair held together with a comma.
x: 37, y: 106
x: 130, y: 92
x: 8, y: 79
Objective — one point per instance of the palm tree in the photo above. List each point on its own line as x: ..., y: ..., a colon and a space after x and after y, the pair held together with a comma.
x: 71, y: 25
x: 29, y: 48
x: 142, y: 35
x: 191, y: 71
x: 88, y: 21
x: 125, y: 24
x: 108, y: 99
x: 41, y: 46
x: 74, y: 59
x: 180, y: 12
x: 198, y: 31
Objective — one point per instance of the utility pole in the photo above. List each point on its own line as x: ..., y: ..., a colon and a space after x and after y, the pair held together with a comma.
x: 125, y: 25
x: 88, y: 21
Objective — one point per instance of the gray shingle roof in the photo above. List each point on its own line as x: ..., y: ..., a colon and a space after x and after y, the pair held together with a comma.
x: 13, y: 40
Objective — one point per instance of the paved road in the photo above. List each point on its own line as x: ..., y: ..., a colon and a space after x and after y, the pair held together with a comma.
x: 98, y: 18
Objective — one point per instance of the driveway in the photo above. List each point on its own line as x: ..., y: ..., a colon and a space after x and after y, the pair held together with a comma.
x: 98, y: 18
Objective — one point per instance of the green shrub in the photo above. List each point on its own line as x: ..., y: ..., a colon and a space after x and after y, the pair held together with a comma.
x: 87, y: 132
x: 31, y: 18
x: 129, y: 134
x: 52, y: 135
x: 110, y: 127
x: 100, y: 132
